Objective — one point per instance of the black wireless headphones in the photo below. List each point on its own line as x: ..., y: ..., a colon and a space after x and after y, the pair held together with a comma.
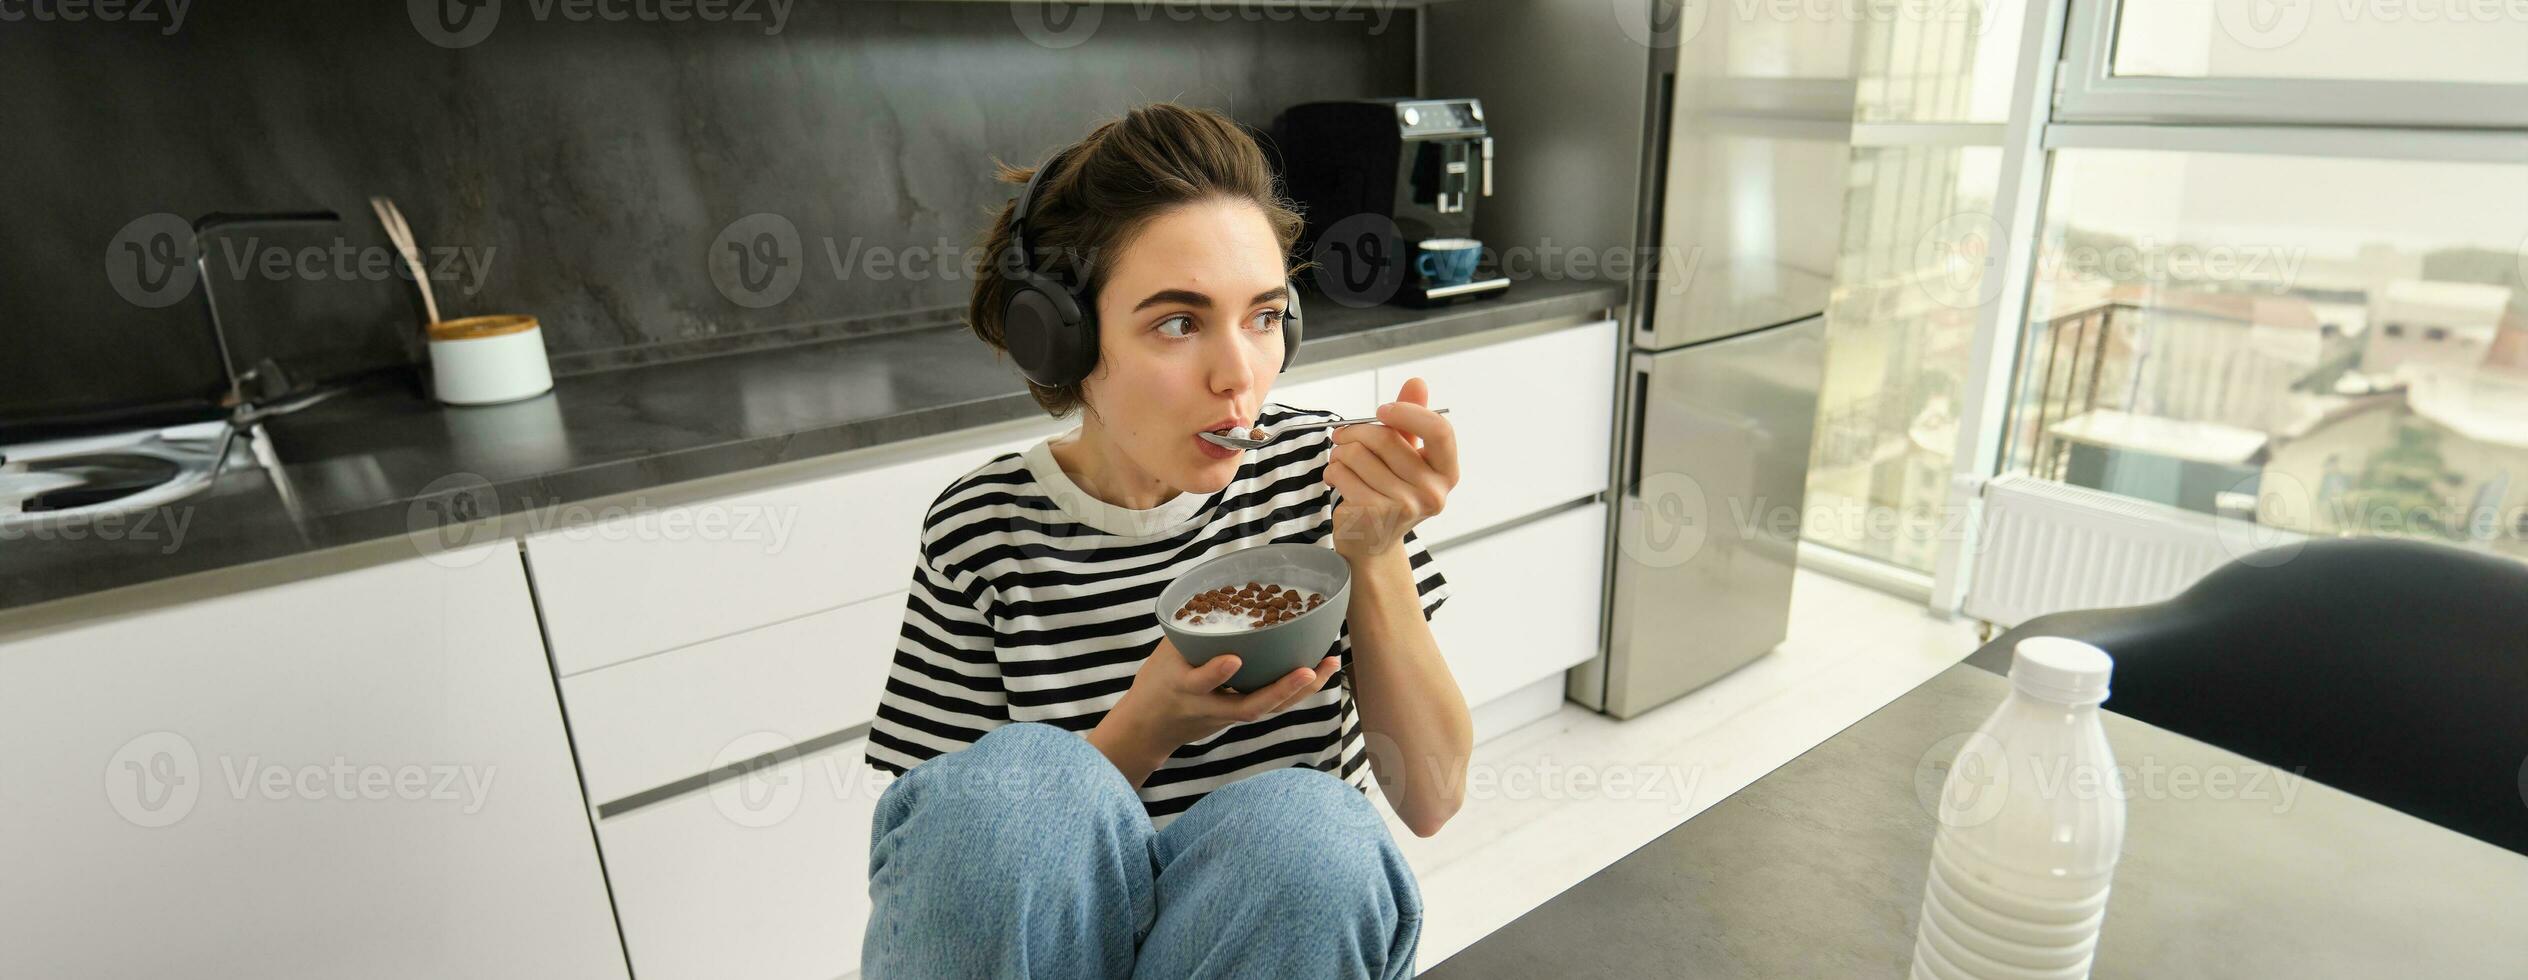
x: 1049, y: 328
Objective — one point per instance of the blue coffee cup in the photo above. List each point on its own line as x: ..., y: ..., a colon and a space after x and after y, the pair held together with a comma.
x: 1447, y: 261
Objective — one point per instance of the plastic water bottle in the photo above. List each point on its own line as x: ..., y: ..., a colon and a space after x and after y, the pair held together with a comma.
x: 2031, y: 820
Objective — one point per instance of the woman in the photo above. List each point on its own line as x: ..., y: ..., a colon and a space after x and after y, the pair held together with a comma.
x: 1076, y: 801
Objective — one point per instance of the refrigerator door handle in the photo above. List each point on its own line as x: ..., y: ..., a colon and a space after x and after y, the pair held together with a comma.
x: 1655, y: 204
x: 1633, y: 445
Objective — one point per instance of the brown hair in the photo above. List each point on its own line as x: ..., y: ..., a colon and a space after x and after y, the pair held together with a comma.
x: 1156, y: 158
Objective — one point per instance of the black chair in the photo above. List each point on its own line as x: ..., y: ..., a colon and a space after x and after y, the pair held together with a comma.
x: 2393, y: 670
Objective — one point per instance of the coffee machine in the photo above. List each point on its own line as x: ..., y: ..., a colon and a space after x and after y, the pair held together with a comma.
x: 1388, y: 188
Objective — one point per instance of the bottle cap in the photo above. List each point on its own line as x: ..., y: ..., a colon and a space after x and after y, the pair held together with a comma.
x: 2060, y: 669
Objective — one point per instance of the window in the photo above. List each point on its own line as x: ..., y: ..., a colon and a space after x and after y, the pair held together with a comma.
x: 1932, y: 86
x: 1898, y: 327
x: 2480, y: 41
x: 2176, y: 351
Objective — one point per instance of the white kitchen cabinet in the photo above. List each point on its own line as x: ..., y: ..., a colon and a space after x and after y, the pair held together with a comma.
x: 1523, y: 603
x: 763, y: 875
x: 1352, y: 395
x: 363, y: 774
x: 650, y: 722
x: 1535, y: 422
x: 641, y: 583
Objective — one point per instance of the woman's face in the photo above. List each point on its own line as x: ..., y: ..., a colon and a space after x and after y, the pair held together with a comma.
x: 1189, y: 339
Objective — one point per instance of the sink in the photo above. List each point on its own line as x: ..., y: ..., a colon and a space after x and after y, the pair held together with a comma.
x: 72, y: 479
x: 65, y: 483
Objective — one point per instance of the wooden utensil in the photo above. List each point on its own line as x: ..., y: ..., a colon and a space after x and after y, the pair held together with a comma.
x: 401, y: 233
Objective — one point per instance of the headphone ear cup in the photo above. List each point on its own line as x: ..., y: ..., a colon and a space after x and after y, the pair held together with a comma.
x: 1041, y: 329
x: 1293, y: 324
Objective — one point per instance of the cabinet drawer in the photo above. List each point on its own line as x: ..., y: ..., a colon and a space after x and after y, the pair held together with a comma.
x: 1523, y: 603
x: 1351, y: 395
x: 653, y: 721
x: 638, y: 584
x: 765, y: 875
x: 1535, y: 422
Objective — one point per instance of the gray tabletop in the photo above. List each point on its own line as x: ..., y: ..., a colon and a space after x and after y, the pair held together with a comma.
x: 1816, y: 870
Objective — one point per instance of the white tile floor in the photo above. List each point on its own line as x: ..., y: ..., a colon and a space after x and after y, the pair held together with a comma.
x: 1553, y: 802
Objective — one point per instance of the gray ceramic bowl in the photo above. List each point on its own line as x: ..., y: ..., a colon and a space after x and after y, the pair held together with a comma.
x: 1269, y: 653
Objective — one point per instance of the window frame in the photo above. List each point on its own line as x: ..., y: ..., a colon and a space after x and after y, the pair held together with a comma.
x: 2090, y: 92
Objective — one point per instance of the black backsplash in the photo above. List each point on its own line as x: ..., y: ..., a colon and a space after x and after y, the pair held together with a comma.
x: 587, y: 172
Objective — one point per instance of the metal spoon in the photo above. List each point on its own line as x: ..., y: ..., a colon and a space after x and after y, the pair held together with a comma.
x: 1240, y: 442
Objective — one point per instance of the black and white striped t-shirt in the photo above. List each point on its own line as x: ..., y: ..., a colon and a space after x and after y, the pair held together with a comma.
x: 1034, y: 601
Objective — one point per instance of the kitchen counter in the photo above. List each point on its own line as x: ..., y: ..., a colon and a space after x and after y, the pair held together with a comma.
x: 383, y: 464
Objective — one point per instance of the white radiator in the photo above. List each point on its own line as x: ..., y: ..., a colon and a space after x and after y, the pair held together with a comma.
x: 2046, y: 547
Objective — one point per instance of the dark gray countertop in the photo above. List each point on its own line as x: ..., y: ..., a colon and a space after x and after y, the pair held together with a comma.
x: 385, y: 463
x: 1817, y: 870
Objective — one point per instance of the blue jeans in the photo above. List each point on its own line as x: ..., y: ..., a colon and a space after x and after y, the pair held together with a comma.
x: 1027, y: 854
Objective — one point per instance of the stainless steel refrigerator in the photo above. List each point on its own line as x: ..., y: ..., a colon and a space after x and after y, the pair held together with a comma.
x: 1717, y: 148
x: 1724, y: 372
